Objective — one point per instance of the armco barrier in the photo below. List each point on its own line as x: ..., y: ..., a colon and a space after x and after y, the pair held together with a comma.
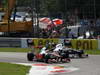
x: 10, y: 42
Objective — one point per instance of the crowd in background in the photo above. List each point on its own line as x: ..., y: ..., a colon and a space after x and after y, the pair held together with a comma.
x: 55, y: 32
x: 62, y: 31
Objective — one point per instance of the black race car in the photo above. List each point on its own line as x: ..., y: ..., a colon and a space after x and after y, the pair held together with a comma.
x: 71, y: 53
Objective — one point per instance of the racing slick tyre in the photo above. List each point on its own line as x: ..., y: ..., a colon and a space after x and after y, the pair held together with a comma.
x: 87, y: 55
x: 30, y: 56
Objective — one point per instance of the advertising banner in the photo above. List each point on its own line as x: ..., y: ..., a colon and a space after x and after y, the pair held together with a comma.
x: 86, y: 44
x: 98, y: 44
x: 43, y: 42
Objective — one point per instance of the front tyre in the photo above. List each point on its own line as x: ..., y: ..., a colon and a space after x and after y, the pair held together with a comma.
x: 30, y: 56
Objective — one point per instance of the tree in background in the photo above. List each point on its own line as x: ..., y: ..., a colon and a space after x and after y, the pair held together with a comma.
x: 3, y: 3
x: 50, y: 7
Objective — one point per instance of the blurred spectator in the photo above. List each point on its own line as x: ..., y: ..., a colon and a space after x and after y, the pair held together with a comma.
x: 98, y: 22
x: 63, y: 32
x: 30, y: 42
x: 71, y: 19
x: 97, y: 27
x: 91, y: 25
x: 84, y: 22
x: 43, y: 33
x: 54, y: 34
x: 71, y: 34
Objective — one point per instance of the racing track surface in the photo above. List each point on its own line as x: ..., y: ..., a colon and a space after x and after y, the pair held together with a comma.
x: 87, y: 66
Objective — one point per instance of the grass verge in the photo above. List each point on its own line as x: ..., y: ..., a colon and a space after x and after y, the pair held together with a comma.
x: 93, y: 52
x: 13, y: 69
x: 15, y: 49
x: 18, y: 50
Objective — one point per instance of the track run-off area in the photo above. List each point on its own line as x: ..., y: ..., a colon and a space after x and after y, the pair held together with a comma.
x: 85, y: 66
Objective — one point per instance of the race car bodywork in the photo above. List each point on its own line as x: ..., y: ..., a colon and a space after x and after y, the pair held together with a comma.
x: 76, y: 53
x: 49, y: 58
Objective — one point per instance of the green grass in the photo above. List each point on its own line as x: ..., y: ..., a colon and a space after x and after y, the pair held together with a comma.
x: 15, y: 49
x: 18, y: 50
x: 13, y: 69
x: 93, y: 52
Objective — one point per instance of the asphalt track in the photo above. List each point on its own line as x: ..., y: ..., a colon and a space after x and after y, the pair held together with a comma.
x: 87, y: 66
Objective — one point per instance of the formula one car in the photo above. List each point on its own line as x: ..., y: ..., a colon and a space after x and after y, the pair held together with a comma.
x: 47, y: 57
x: 53, y: 58
x: 71, y: 53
